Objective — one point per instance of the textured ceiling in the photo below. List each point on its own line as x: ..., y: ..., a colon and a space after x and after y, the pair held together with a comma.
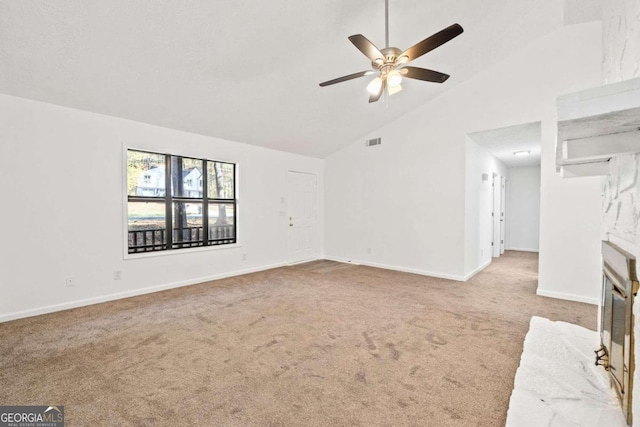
x: 248, y: 71
x: 503, y: 142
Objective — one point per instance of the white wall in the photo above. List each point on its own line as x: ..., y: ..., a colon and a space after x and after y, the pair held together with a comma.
x: 479, y: 204
x: 405, y: 199
x: 62, y: 208
x: 523, y: 221
x: 570, y: 229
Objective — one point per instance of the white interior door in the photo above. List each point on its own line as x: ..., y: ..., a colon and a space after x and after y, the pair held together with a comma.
x: 503, y: 219
x: 302, y: 216
x: 495, y: 238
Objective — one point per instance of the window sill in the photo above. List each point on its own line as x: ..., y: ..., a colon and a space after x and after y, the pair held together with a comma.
x: 128, y: 256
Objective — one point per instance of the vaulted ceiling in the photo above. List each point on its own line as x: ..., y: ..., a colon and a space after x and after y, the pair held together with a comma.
x: 248, y: 71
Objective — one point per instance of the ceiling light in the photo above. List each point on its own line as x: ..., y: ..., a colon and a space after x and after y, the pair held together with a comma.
x: 374, y: 87
x: 394, y: 78
x: 522, y: 153
x: 393, y: 89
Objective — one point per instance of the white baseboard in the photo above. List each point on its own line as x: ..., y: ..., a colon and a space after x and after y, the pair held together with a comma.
x: 303, y: 261
x: 132, y: 293
x: 522, y: 249
x: 477, y: 270
x: 396, y: 268
x: 565, y: 296
x: 126, y: 294
x: 343, y: 260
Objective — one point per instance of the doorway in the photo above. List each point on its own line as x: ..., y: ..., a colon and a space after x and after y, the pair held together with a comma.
x: 511, y: 158
x: 301, y: 216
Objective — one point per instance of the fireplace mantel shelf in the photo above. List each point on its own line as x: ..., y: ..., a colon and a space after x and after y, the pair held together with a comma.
x: 557, y: 382
x: 595, y: 125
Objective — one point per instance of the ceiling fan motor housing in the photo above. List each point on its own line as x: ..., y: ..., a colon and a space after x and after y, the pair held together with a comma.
x: 389, y: 61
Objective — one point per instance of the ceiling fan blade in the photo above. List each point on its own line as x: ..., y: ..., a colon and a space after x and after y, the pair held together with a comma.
x: 345, y: 78
x: 374, y: 98
x: 432, y: 42
x: 365, y: 46
x: 424, y: 74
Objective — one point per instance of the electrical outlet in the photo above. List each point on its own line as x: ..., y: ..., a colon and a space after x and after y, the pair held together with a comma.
x: 117, y: 275
x: 244, y: 257
x: 368, y: 250
x: 70, y: 282
x: 481, y: 252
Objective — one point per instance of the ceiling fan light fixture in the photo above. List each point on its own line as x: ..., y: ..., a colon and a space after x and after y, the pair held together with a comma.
x: 392, y: 90
x: 394, y: 78
x: 374, y: 86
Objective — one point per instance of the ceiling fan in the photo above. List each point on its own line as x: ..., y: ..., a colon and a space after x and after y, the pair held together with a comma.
x: 389, y: 63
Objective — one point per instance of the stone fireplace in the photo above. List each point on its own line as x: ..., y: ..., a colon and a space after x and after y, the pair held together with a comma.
x: 616, y: 355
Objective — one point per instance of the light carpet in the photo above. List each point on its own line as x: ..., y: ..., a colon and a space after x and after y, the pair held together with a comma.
x: 308, y: 345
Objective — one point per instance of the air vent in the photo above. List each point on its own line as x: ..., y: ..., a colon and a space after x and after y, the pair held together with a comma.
x: 372, y: 142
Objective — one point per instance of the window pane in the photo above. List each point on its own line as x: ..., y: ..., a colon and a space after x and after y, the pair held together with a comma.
x: 221, y: 177
x: 145, y: 174
x: 147, y: 227
x: 222, y: 228
x: 186, y: 177
x: 187, y: 225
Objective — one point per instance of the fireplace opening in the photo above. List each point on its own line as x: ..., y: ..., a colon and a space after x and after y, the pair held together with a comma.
x: 620, y: 285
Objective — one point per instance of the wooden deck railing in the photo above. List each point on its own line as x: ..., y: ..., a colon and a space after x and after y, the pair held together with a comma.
x: 155, y: 239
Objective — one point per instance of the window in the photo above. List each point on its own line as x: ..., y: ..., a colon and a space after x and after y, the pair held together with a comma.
x: 199, y: 209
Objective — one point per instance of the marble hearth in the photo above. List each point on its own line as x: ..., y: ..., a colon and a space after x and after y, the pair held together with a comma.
x: 558, y: 384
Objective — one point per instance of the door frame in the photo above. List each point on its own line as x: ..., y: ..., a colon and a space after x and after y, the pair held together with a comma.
x: 495, y: 217
x: 503, y: 216
x: 292, y: 259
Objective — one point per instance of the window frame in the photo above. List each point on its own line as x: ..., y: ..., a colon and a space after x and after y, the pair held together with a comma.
x: 169, y: 246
